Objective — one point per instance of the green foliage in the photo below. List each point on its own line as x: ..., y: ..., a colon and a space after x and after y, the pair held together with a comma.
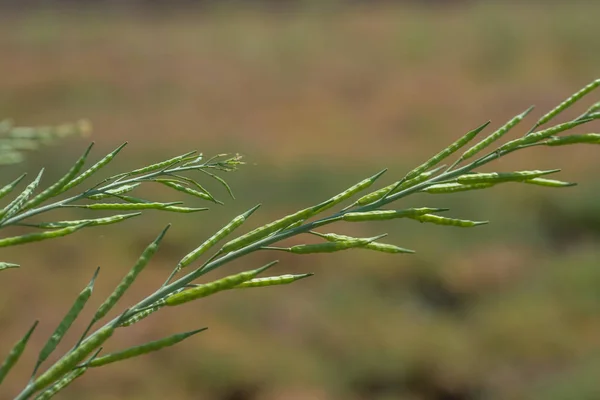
x: 425, y: 178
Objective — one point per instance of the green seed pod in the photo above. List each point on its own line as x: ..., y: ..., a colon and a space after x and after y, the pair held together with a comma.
x: 549, y: 182
x: 184, y: 210
x: 495, y: 136
x: 61, y: 384
x: 183, y: 189
x: 272, y: 281
x: 113, y: 192
x: 7, y: 265
x: 35, y: 237
x: 157, y: 166
x: 71, y: 359
x: 329, y: 247
x: 266, y: 230
x: 454, y: 147
x: 191, y: 181
x: 17, y: 204
x: 540, y: 135
x: 346, y: 194
x: 499, y: 177
x: 127, y: 206
x: 378, y: 194
x: 568, y: 102
x: 210, y: 288
x: 56, y: 188
x: 436, y: 219
x: 66, y: 322
x: 93, y: 169
x: 128, y: 280
x: 90, y: 222
x: 444, y: 188
x: 142, y: 314
x: 15, y: 353
x: 220, y: 180
x: 214, y: 239
x: 9, y: 188
x: 143, y: 349
x: 382, y: 247
x: 380, y: 215
x: 590, y: 138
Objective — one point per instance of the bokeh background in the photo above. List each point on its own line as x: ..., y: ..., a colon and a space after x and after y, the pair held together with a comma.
x: 316, y: 96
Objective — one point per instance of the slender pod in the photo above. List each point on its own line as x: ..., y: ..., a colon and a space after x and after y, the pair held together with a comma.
x: 36, y: 237
x: 192, y: 182
x: 186, y: 190
x: 61, y: 384
x: 381, y: 215
x: 71, y: 359
x: 6, y: 265
x: 328, y: 247
x: 113, y: 192
x: 399, y: 185
x: 549, y: 182
x: 128, y: 279
x: 143, y: 349
x: 346, y: 194
x: 15, y: 353
x: 495, y: 136
x: 66, y: 322
x: 266, y: 230
x: 589, y: 138
x: 142, y: 314
x: 272, y: 281
x: 448, y: 151
x: 436, y: 219
x: 91, y: 222
x: 17, y: 204
x: 568, y: 102
x: 382, y: 247
x: 445, y: 188
x: 9, y: 188
x: 93, y: 169
x: 155, y: 167
x: 56, y: 188
x: 499, y: 177
x: 125, y: 206
x: 184, y: 210
x: 540, y: 135
x: 214, y: 239
x: 210, y: 288
x: 220, y: 180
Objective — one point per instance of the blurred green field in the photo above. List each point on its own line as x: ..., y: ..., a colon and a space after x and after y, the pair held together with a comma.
x: 318, y: 98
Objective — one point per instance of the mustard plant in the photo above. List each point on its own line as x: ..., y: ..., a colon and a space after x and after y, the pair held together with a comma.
x: 114, y: 194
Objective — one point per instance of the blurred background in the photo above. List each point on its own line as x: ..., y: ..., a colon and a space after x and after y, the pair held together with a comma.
x: 318, y: 95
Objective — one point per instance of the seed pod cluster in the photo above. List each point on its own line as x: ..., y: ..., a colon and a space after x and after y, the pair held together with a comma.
x: 17, y: 204
x: 382, y: 247
x: 541, y: 135
x: 400, y: 185
x: 93, y: 169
